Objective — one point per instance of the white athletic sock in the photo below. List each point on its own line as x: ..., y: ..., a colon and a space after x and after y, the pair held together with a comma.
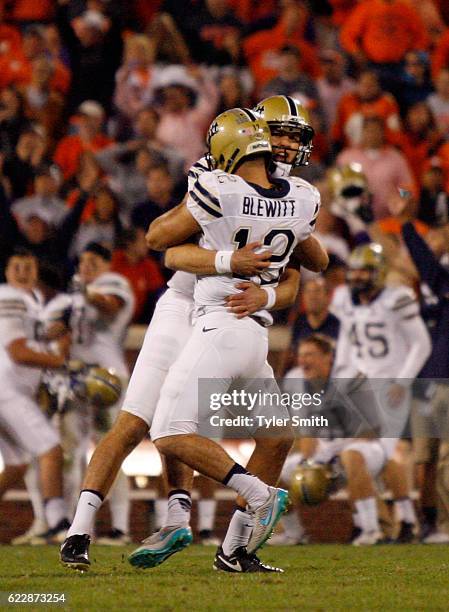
x: 248, y: 486
x: 119, y: 503
x: 179, y: 508
x: 292, y: 525
x: 32, y: 482
x: 160, y: 512
x: 367, y: 511
x: 86, y: 510
x: 356, y: 520
x: 206, y: 514
x: 55, y: 511
x: 405, y: 510
x: 238, y: 532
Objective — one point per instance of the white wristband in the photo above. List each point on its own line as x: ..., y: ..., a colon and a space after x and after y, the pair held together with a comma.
x: 271, y: 297
x: 223, y: 262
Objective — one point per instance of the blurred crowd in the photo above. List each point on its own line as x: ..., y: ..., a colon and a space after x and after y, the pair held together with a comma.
x: 104, y: 106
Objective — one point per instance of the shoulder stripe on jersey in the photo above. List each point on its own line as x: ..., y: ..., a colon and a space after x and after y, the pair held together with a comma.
x: 207, y: 194
x: 251, y: 115
x: 403, y: 302
x: 12, y: 302
x: 204, y: 206
x: 292, y: 106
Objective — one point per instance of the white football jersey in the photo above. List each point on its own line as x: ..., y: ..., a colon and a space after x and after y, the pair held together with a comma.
x: 19, y: 318
x: 96, y: 338
x: 233, y: 213
x: 184, y: 282
x: 372, y: 333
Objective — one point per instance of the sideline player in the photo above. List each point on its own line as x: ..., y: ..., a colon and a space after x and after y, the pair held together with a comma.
x: 383, y: 336
x: 25, y: 433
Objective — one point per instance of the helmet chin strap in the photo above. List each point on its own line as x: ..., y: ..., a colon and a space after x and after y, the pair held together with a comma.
x: 281, y: 169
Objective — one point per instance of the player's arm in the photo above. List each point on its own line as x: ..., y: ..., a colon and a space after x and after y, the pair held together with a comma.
x: 22, y: 354
x: 172, y: 228
x: 108, y: 305
x: 253, y: 297
x: 311, y: 255
x: 411, y: 326
x: 195, y: 259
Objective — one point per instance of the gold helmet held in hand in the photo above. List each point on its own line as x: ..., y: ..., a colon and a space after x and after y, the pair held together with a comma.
x: 235, y: 135
x: 286, y: 115
x: 103, y: 387
x: 311, y: 483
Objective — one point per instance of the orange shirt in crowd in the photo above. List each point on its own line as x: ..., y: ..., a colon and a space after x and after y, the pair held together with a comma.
x: 443, y: 160
x: 16, y: 69
x: 392, y: 225
x: 416, y: 150
x: 384, y: 32
x: 89, y: 207
x: 262, y: 52
x: 440, y: 57
x: 144, y: 277
x: 10, y: 39
x: 385, y: 106
x: 249, y: 11
x: 69, y: 149
x: 341, y: 10
x: 31, y: 10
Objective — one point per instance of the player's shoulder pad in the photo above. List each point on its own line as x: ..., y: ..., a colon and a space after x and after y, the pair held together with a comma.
x: 398, y: 298
x: 13, y: 301
x: 308, y: 187
x: 205, y: 193
x: 111, y: 280
x: 196, y: 170
x: 341, y: 300
x: 199, y: 167
x: 310, y: 197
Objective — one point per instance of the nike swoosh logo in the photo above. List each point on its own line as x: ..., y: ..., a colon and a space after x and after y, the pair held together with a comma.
x: 93, y: 505
x: 206, y: 329
x: 246, y: 525
x: 234, y: 566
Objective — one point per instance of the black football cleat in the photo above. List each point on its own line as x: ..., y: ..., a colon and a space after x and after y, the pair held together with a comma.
x: 75, y: 552
x: 241, y: 562
x: 406, y: 534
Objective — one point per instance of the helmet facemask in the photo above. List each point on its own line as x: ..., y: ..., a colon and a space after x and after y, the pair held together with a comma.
x: 300, y: 133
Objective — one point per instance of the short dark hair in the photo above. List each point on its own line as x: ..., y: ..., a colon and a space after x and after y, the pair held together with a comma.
x: 98, y: 249
x: 19, y: 251
x: 324, y: 343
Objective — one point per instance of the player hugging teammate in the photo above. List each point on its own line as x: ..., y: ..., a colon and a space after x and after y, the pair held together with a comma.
x: 228, y: 338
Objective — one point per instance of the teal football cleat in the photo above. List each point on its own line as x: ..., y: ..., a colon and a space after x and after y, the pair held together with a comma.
x: 160, y: 546
x: 266, y: 518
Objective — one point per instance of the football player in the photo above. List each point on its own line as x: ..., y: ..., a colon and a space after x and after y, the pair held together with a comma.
x: 25, y: 433
x: 166, y: 335
x: 232, y: 140
x: 382, y: 336
x: 97, y: 312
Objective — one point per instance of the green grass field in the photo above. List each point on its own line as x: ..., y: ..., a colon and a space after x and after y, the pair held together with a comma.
x: 316, y: 578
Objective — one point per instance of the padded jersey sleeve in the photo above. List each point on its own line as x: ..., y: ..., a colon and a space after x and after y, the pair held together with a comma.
x: 12, y: 315
x: 203, y: 201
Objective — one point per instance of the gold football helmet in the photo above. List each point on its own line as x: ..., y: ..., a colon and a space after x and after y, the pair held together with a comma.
x: 349, y: 181
x: 311, y: 483
x: 371, y: 259
x: 103, y: 387
x: 286, y: 115
x: 234, y: 135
